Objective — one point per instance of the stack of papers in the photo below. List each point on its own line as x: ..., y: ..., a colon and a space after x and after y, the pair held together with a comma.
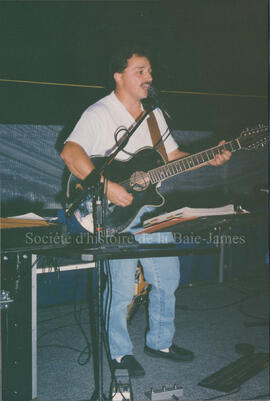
x: 188, y: 212
x: 25, y: 220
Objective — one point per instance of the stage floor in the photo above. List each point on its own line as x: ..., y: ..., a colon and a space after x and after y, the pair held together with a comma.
x: 211, y: 318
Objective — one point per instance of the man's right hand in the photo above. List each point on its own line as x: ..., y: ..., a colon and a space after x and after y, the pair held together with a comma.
x: 81, y: 165
x: 117, y: 194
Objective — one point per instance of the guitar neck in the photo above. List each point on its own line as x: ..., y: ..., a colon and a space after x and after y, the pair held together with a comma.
x: 189, y: 162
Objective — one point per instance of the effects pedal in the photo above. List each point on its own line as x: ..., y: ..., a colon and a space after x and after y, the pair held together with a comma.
x: 121, y: 389
x: 165, y: 394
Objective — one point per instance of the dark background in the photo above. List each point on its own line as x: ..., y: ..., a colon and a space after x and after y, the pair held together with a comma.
x: 209, y: 46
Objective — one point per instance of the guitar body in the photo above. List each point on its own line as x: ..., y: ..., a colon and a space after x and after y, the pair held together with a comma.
x: 132, y: 174
x: 140, y: 176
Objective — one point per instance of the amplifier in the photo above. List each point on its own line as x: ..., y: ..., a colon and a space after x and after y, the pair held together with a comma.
x: 18, y: 329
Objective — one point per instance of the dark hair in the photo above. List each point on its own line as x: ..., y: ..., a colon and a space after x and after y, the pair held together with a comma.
x: 121, y: 55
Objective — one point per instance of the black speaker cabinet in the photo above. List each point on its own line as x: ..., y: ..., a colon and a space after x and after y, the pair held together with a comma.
x: 18, y: 328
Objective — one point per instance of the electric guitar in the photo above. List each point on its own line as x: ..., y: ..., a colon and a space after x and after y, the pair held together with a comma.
x: 141, y: 174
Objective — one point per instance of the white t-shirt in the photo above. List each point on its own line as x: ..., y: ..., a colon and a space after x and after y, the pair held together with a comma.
x: 96, y: 129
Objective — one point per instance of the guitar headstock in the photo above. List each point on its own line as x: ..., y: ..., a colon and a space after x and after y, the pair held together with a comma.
x: 253, y: 138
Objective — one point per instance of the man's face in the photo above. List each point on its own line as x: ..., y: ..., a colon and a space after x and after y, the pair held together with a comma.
x: 136, y: 79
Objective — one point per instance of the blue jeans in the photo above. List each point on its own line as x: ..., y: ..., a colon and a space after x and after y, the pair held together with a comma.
x: 163, y: 273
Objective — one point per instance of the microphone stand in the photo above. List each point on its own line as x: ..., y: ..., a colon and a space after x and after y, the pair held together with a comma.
x: 97, y: 189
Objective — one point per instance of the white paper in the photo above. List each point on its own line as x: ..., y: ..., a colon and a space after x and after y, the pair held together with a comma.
x: 27, y: 216
x: 191, y: 212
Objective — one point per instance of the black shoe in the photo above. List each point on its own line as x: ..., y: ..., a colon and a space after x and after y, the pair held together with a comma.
x: 175, y: 353
x: 128, y: 362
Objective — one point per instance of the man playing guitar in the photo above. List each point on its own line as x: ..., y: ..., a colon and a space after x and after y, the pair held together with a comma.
x: 94, y: 134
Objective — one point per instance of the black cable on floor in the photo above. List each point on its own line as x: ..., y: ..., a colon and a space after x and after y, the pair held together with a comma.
x: 240, y: 301
x: 253, y: 293
x: 77, y: 318
x: 55, y: 317
x: 59, y: 346
x: 56, y: 328
x: 212, y: 308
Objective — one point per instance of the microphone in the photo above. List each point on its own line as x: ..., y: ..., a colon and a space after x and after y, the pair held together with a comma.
x: 154, y: 97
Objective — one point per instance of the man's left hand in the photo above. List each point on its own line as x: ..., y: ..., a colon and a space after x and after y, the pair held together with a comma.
x: 220, y: 158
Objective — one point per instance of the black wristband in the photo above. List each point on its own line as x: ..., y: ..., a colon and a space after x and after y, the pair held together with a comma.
x: 91, y: 179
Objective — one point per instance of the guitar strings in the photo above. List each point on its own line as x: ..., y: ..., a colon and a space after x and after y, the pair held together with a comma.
x: 260, y: 135
x: 163, y: 138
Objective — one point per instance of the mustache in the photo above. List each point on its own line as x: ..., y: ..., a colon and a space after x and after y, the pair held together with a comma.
x: 146, y: 83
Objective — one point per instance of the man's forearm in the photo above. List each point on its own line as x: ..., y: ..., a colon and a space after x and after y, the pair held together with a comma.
x: 77, y: 160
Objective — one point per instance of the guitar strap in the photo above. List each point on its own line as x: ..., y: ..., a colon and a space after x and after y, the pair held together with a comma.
x: 156, y: 136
